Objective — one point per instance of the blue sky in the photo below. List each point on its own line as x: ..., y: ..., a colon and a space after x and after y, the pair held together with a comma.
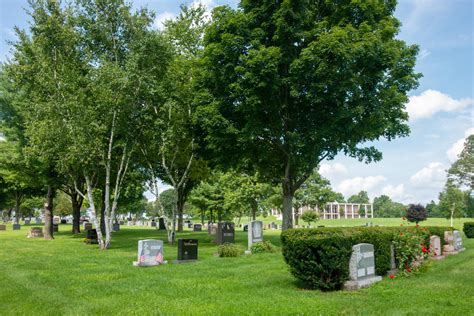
x: 441, y: 109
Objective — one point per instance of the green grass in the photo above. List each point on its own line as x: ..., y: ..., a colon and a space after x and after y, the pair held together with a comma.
x: 66, y: 276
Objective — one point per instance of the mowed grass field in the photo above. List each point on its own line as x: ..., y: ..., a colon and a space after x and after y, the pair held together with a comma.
x: 66, y: 276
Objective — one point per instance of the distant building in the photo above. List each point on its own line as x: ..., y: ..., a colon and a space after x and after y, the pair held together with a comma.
x: 335, y: 210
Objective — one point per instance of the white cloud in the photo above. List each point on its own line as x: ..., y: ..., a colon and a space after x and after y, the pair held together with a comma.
x: 432, y: 101
x: 327, y: 170
x: 432, y: 175
x: 457, y: 147
x: 423, y: 54
x: 162, y: 18
x: 355, y: 185
x: 395, y: 192
x: 209, y: 4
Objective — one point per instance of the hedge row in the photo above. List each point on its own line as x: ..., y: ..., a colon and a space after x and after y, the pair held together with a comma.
x: 469, y: 229
x: 320, y: 256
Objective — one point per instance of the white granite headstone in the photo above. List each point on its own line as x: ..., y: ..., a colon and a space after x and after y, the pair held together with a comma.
x: 150, y: 253
x: 255, y: 232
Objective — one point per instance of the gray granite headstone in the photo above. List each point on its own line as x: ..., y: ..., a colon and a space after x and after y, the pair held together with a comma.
x: 255, y: 232
x: 197, y: 227
x: 38, y: 221
x: 457, y: 241
x: 435, y: 248
x: 393, y: 260
x: 27, y: 222
x: 16, y: 226
x: 361, y: 267
x: 150, y: 253
x: 115, y: 227
x: 225, y: 233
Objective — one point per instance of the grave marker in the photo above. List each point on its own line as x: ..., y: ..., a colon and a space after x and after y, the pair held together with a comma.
x: 3, y: 227
x: 449, y: 249
x: 225, y: 233
x: 161, y: 224
x: 197, y: 227
x: 115, y: 227
x: 150, y: 253
x: 87, y: 226
x: 187, y: 250
x: 255, y: 232
x: 435, y: 248
x: 361, y: 267
x: 35, y: 232
x: 458, y: 241
x: 91, y: 236
x: 16, y: 226
x: 27, y: 221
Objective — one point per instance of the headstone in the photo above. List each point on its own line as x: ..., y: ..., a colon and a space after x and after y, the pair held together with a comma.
x: 161, y: 224
x: 255, y: 232
x: 27, y: 222
x: 449, y: 249
x: 121, y: 222
x: 16, y: 226
x: 458, y: 241
x: 35, y: 232
x: 212, y: 229
x: 3, y: 227
x: 115, y: 227
x: 197, y: 227
x: 153, y: 223
x: 38, y: 221
x: 187, y: 250
x: 225, y: 233
x: 435, y: 248
x: 63, y: 221
x: 393, y: 260
x: 87, y: 226
x: 55, y: 228
x: 190, y: 225
x: 91, y: 236
x: 361, y: 267
x: 150, y: 253
x: 273, y: 225
x: 129, y: 223
x: 246, y: 227
x: 56, y: 220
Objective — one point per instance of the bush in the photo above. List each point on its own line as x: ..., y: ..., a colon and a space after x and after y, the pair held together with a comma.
x: 319, y: 262
x: 228, y: 250
x: 469, y: 229
x: 416, y: 213
x: 310, y: 216
x: 261, y: 247
x: 410, y: 250
x: 306, y: 262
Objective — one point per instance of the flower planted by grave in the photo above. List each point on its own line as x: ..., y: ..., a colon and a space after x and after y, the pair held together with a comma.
x: 261, y: 247
x: 392, y: 277
x: 411, y: 251
x: 228, y: 250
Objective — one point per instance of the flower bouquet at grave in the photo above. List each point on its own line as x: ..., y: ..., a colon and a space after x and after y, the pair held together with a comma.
x: 411, y: 251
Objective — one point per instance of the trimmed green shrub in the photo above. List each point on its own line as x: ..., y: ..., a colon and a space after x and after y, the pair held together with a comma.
x: 469, y: 229
x: 261, y: 247
x: 228, y: 250
x: 306, y: 261
x: 319, y: 262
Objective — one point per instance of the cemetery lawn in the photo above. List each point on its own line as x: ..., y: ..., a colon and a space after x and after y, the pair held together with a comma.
x: 66, y: 276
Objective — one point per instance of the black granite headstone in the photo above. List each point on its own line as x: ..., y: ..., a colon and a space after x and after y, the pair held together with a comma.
x: 55, y: 228
x: 197, y: 227
x: 187, y: 249
x: 246, y: 228
x: 153, y: 223
x: 16, y: 226
x: 225, y: 233
x: 92, y: 236
x: 161, y: 224
x: 63, y: 221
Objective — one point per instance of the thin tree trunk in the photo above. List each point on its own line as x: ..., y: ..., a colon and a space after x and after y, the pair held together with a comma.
x: 17, y: 207
x: 76, y: 202
x: 180, y: 207
x: 48, y: 214
x: 90, y: 198
x: 254, y: 209
x: 102, y: 213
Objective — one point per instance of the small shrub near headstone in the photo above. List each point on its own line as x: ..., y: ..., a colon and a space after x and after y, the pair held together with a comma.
x: 410, y: 251
x: 469, y: 229
x: 228, y: 250
x: 262, y: 247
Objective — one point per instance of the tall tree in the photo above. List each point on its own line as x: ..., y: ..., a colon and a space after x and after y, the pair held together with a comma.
x: 452, y: 202
x: 361, y: 197
x: 291, y: 83
x: 461, y: 171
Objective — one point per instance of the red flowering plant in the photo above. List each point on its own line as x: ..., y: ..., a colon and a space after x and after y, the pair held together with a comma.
x: 410, y: 250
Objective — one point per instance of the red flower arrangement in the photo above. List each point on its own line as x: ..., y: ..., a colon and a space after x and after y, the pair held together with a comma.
x: 392, y: 277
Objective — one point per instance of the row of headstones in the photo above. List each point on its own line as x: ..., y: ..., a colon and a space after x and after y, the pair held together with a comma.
x: 18, y: 227
x: 362, y: 262
x: 150, y: 252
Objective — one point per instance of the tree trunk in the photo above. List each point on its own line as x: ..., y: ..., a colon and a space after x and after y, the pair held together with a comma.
x: 287, y: 221
x: 48, y: 214
x: 254, y: 209
x: 297, y: 215
x: 17, y: 207
x: 76, y: 202
x: 180, y: 207
x: 102, y: 213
